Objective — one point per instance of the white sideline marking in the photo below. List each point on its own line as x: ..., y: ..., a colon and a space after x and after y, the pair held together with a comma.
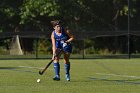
x: 119, y: 75
x: 30, y: 67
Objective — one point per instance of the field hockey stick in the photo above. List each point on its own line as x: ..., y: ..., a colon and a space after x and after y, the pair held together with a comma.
x: 42, y: 71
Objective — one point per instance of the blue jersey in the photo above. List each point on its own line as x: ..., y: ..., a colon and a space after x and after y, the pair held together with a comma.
x: 58, y: 41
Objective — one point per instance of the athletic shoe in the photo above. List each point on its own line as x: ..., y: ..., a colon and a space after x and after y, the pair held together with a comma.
x: 56, y: 78
x: 67, y: 77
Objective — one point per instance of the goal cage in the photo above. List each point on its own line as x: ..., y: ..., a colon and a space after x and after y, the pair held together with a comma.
x: 103, y: 44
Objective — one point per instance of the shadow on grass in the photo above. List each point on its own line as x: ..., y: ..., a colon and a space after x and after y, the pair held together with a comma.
x: 134, y: 81
x: 17, y: 69
x: 5, y: 68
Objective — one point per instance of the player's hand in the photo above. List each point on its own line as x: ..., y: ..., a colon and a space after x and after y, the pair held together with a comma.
x: 53, y: 57
x: 64, y: 44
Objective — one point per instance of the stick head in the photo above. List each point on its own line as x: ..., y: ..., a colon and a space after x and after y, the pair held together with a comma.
x: 40, y: 73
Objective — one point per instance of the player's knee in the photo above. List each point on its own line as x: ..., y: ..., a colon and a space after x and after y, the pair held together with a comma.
x: 66, y: 61
x: 56, y: 61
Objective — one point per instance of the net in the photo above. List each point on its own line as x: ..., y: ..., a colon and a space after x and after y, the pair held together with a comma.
x: 15, y: 47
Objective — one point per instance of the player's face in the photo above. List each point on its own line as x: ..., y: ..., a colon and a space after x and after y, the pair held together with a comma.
x: 57, y: 28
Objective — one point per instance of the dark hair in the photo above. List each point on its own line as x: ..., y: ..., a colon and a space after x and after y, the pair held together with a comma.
x: 56, y: 22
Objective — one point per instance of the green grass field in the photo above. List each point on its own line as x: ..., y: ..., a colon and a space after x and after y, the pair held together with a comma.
x: 87, y: 76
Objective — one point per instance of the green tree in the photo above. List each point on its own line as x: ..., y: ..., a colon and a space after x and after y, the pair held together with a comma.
x: 9, y: 14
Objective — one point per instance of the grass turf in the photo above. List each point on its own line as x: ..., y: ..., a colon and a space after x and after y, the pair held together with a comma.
x: 87, y: 76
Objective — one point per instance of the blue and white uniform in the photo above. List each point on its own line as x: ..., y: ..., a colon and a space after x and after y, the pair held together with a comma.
x: 60, y: 41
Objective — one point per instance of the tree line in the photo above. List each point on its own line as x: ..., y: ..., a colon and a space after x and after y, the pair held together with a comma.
x: 87, y: 13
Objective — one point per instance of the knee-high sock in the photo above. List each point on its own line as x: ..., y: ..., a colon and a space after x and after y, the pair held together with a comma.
x: 57, y: 68
x: 67, y: 68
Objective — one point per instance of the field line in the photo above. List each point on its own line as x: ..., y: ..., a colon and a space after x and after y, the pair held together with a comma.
x: 29, y: 67
x: 128, y: 76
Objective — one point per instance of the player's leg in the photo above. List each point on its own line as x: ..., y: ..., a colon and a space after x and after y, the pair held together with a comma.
x: 67, y: 65
x: 57, y: 66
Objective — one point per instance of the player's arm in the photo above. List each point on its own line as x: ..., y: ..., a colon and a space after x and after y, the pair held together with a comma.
x: 71, y: 37
x: 53, y: 43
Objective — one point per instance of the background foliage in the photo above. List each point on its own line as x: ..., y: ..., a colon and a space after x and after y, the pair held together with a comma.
x: 80, y: 15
